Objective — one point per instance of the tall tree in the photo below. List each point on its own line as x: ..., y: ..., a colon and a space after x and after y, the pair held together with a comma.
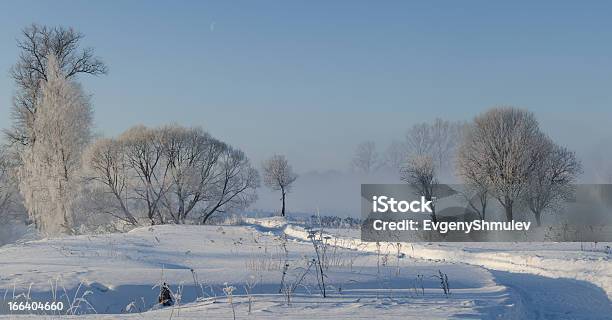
x: 49, y: 173
x: 31, y: 71
x: 279, y: 176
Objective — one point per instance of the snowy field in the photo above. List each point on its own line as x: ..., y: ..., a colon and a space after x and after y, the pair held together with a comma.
x: 117, y: 276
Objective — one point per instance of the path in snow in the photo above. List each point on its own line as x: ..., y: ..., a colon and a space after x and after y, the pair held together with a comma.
x: 541, y: 297
x: 561, y: 298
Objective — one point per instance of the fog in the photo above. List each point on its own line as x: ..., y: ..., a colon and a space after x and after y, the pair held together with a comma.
x: 337, y: 192
x: 330, y: 192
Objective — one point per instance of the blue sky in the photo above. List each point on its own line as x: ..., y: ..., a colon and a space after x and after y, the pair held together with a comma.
x: 311, y: 79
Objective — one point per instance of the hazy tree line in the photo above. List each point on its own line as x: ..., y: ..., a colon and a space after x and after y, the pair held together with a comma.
x: 438, y: 140
x: 501, y: 155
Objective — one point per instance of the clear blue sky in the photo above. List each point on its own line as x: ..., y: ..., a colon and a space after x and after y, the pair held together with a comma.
x: 311, y: 79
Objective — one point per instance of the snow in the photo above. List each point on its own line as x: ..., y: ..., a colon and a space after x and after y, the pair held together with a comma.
x: 491, y: 281
x: 556, y: 260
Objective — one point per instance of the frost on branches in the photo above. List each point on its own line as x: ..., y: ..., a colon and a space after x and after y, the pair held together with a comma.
x: 169, y: 174
x: 49, y: 176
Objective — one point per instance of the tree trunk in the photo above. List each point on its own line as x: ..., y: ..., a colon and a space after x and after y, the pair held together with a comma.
x: 128, y: 215
x: 483, y: 205
x: 206, y: 216
x: 433, y: 213
x: 283, y: 209
x: 538, y: 216
x: 508, y: 208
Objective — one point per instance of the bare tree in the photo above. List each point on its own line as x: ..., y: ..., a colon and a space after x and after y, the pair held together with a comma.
x: 172, y: 173
x: 143, y: 151
x: 477, y: 196
x: 36, y: 44
x: 476, y: 183
x: 365, y: 159
x: 395, y: 154
x: 235, y: 186
x: 192, y: 156
x: 279, y: 176
x: 437, y: 140
x: 206, y: 174
x: 500, y: 151
x: 419, y: 139
x: 105, y: 158
x: 550, y: 183
x: 420, y: 172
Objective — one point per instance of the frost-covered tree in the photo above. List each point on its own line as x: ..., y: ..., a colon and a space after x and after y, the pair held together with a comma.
x: 49, y: 175
x: 365, y: 159
x: 278, y: 175
x: 36, y: 44
x: 550, y: 183
x: 7, y: 184
x: 501, y: 150
x: 170, y: 174
x: 420, y: 172
x: 11, y: 204
x: 206, y: 175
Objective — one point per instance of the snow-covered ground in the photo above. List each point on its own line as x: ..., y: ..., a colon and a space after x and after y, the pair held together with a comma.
x: 582, y: 261
x: 116, y: 276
